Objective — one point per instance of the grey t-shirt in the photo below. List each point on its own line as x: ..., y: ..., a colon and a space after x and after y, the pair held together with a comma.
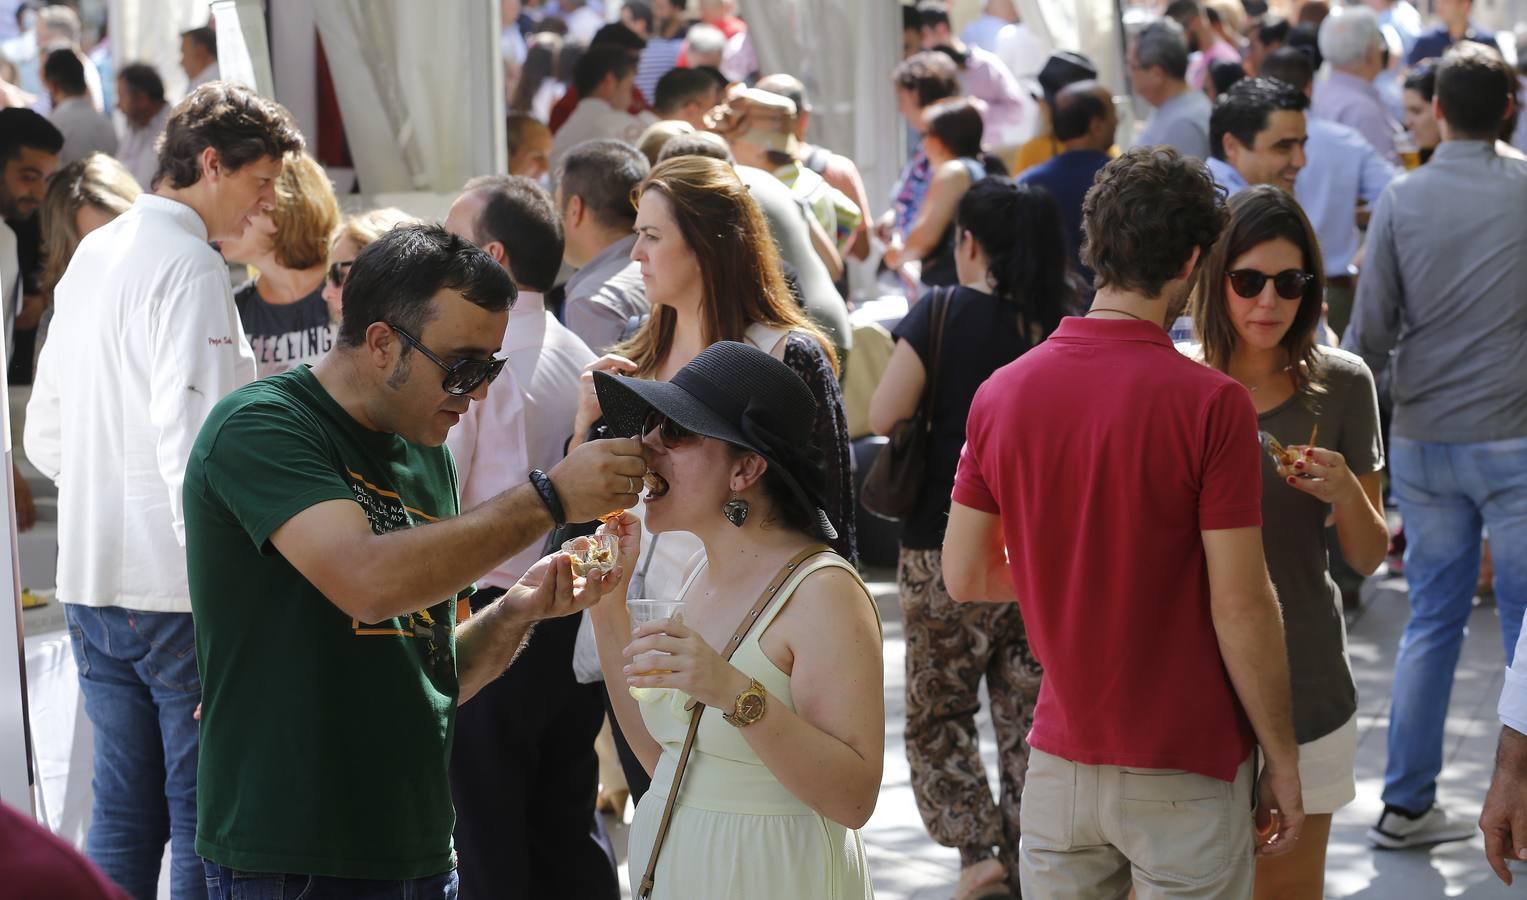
x: 1294, y: 537
x: 1181, y: 122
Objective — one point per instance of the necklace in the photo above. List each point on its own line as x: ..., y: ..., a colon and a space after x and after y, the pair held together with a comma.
x: 1254, y: 388
x: 1119, y: 311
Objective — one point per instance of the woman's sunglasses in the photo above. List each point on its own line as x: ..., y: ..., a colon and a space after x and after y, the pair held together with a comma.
x: 669, y: 432
x: 462, y: 376
x: 339, y: 271
x: 1291, y: 284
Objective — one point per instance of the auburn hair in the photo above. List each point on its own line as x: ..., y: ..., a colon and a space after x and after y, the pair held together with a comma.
x: 741, y: 279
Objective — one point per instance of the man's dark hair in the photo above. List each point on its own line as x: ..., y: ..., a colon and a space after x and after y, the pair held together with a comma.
x: 1422, y: 78
x: 1306, y: 38
x: 957, y: 125
x: 617, y: 35
x: 1145, y: 214
x: 931, y: 13
x: 1180, y: 11
x: 641, y: 12
x: 141, y: 78
x: 720, y: 80
x: 1162, y: 44
x: 678, y: 87
x: 230, y: 118
x: 64, y: 71
x: 1291, y: 66
x: 1077, y: 106
x: 1474, y: 86
x: 1243, y: 110
x: 396, y: 276
x: 24, y: 128
x: 1224, y: 73
x: 519, y: 214
x: 1273, y: 31
x: 596, y: 63
x: 205, y: 36
x: 603, y: 173
x: 930, y: 75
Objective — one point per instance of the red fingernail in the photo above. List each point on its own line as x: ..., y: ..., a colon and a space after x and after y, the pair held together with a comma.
x: 1290, y: 479
x: 1310, y: 454
x: 1299, y: 464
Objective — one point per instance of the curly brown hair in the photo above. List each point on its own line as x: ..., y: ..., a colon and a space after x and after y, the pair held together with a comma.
x: 1145, y: 214
x: 230, y: 118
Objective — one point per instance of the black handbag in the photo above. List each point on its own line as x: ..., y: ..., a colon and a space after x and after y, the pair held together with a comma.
x: 895, y: 480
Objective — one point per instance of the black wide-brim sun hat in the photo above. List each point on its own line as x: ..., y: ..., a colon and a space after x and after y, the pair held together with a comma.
x: 734, y: 393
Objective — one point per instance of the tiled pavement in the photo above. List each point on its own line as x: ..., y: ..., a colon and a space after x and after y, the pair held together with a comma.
x: 907, y: 865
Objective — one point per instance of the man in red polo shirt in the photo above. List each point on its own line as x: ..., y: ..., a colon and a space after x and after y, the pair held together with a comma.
x: 1114, y: 486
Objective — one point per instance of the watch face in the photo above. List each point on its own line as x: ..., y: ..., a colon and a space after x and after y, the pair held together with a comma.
x: 750, y: 707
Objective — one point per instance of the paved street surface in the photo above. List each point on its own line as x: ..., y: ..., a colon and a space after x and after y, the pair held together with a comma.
x: 907, y: 865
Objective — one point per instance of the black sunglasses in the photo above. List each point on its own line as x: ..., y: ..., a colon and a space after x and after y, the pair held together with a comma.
x: 669, y: 432
x: 462, y: 376
x: 339, y: 271
x: 1291, y: 284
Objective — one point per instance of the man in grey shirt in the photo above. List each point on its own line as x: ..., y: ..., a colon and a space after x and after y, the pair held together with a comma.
x: 1443, y: 289
x: 606, y: 297
x: 1158, y: 68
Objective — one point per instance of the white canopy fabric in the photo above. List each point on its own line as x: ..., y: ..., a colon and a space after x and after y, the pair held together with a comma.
x: 418, y: 87
x: 149, y: 31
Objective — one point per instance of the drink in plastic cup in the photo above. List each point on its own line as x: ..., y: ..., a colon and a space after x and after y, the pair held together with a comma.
x: 643, y: 611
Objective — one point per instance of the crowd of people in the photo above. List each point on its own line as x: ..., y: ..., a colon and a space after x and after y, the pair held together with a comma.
x: 1159, y: 385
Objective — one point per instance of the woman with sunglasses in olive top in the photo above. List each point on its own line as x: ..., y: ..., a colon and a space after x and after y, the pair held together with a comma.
x: 1257, y: 310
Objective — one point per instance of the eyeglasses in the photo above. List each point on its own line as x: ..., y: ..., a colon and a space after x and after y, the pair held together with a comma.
x: 462, y: 376
x: 669, y: 432
x: 1291, y: 284
x: 339, y: 271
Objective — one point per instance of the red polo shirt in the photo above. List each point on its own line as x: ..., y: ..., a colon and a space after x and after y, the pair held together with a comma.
x: 1106, y: 452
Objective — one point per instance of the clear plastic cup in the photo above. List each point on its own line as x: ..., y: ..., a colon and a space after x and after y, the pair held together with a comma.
x: 594, y: 553
x: 643, y: 611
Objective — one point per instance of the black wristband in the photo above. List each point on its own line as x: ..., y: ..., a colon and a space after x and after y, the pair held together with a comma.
x: 548, y: 493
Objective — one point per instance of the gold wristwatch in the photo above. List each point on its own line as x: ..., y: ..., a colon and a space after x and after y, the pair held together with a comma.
x: 748, y: 707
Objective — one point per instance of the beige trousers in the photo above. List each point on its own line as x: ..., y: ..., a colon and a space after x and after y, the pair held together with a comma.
x: 1095, y: 831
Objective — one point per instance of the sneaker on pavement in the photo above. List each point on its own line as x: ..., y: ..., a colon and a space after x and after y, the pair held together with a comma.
x: 1398, y: 830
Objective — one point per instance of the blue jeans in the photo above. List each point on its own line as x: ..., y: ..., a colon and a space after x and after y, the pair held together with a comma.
x: 224, y: 883
x: 138, y: 675
x: 1446, y: 493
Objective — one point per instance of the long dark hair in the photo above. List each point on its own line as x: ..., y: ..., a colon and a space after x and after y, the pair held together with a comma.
x: 1260, y: 214
x: 1019, y: 228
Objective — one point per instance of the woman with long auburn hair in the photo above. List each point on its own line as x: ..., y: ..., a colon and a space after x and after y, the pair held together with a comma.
x: 1257, y: 310
x: 712, y: 273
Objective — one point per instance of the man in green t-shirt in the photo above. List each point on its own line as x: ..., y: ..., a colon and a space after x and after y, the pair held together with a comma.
x: 327, y: 557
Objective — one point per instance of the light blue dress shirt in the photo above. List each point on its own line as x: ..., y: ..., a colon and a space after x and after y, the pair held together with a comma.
x: 1341, y: 169
x: 1226, y: 176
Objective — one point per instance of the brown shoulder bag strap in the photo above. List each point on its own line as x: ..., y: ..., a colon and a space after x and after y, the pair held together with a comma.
x: 648, y: 880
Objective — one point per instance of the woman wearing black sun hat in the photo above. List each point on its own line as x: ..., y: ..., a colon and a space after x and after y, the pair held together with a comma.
x: 775, y: 735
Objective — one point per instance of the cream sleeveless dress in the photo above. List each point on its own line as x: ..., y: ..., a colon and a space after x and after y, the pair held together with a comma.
x: 737, y: 833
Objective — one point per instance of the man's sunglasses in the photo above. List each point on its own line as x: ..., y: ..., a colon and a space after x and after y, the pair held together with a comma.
x: 462, y: 376
x: 669, y: 432
x: 1291, y: 284
x: 339, y: 271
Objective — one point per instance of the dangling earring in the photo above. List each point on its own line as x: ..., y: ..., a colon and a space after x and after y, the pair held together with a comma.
x: 735, y: 510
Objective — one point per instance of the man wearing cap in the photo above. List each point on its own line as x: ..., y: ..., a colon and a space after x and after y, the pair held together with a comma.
x: 1061, y: 69
x: 328, y: 557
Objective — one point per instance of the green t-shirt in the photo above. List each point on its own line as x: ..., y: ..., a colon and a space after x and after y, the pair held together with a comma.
x: 325, y: 742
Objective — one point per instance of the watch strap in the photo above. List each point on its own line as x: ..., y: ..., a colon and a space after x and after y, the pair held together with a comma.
x: 644, y: 890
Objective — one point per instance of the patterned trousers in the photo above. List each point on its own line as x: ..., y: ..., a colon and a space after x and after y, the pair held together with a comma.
x: 950, y: 648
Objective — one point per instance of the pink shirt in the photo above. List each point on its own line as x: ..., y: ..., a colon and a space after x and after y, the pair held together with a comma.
x: 1198, y: 66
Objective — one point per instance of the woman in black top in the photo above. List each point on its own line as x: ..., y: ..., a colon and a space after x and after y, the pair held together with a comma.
x: 1014, y: 287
